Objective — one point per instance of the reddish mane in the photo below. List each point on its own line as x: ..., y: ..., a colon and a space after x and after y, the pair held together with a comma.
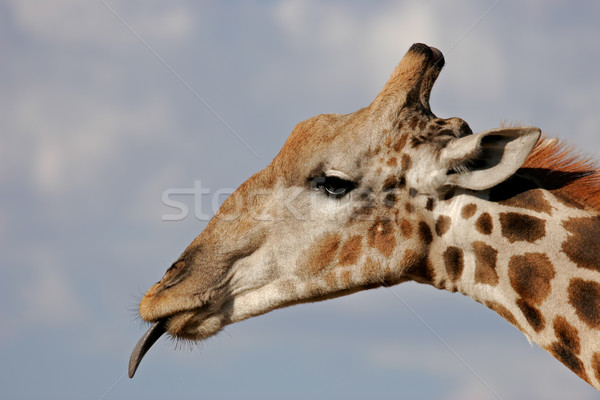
x: 578, y: 175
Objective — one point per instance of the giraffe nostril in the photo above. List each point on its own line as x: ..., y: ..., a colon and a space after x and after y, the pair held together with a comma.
x: 175, y: 274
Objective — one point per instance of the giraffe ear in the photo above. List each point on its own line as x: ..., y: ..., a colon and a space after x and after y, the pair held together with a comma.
x: 483, y: 160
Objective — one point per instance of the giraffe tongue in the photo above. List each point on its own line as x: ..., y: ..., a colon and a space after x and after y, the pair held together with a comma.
x: 144, y: 344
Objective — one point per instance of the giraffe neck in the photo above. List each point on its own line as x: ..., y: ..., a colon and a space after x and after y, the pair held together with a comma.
x: 531, y: 257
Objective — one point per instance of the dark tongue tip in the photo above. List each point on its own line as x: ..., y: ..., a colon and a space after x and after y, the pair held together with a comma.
x: 144, y: 344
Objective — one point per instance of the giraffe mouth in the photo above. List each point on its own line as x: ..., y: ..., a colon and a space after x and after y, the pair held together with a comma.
x: 180, y: 325
x: 143, y: 345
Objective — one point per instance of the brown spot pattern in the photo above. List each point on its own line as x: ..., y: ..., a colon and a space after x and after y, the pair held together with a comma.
x: 468, y: 211
x: 584, y: 296
x: 389, y: 200
x: 381, y: 237
x: 568, y: 358
x: 582, y: 247
x: 567, y: 334
x: 400, y: 143
x: 530, y: 275
x: 530, y: 199
x: 430, y: 204
x: 417, y: 267
x: 454, y: 262
x: 596, y: 365
x: 321, y: 254
x: 363, y: 212
x: 390, y: 182
x: 392, y: 162
x: 566, y: 349
x: 485, y: 264
x: 532, y: 314
x: 484, y: 224
x: 442, y: 225
x: 406, y: 162
x: 425, y: 233
x: 522, y: 227
x: 350, y: 251
x: 406, y: 228
x: 566, y: 201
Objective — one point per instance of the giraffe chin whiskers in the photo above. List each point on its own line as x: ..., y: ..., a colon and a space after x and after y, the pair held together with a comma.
x: 194, y: 326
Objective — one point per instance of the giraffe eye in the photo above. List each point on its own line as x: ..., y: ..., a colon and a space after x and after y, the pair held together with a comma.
x: 333, y: 186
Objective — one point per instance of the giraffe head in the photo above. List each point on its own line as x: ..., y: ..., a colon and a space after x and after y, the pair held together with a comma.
x: 345, y: 206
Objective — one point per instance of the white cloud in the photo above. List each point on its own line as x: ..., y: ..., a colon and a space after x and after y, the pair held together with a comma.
x: 48, y: 298
x: 146, y: 205
x: 175, y: 23
x: 472, y: 390
x: 73, y: 137
x: 292, y: 15
x: 48, y: 168
x: 518, y: 62
x: 358, y: 47
x: 354, y: 40
x: 391, y: 31
x: 74, y: 22
x: 489, y: 368
x: 328, y: 25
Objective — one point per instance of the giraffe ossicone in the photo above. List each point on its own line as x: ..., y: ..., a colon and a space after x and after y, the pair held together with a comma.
x: 392, y: 193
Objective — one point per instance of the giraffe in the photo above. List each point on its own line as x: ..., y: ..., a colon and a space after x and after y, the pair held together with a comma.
x: 391, y: 193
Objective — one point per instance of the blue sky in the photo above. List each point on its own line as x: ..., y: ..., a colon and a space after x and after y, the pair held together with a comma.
x: 105, y: 105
